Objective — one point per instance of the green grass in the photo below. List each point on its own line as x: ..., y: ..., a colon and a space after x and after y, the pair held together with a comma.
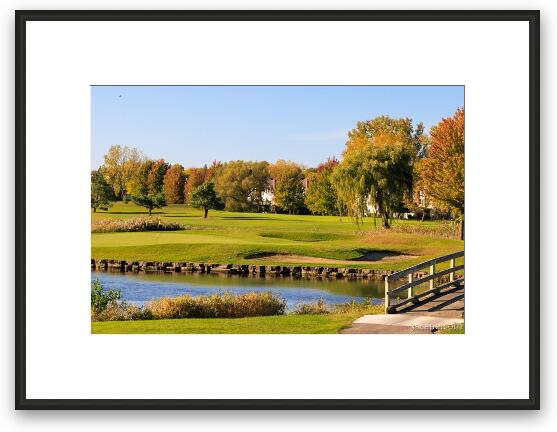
x: 454, y: 329
x: 226, y: 237
x: 285, y: 324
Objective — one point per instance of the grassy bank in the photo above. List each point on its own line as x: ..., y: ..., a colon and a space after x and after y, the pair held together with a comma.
x: 285, y: 324
x: 227, y: 237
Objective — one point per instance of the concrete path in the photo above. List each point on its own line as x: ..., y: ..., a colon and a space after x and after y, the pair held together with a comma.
x: 442, y: 310
x: 400, y: 323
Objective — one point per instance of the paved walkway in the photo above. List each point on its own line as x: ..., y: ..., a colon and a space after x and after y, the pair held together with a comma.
x: 426, y: 317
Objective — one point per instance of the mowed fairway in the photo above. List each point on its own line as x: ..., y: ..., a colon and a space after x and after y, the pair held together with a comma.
x: 246, y: 238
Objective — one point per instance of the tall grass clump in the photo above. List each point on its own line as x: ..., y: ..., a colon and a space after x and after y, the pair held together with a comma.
x: 317, y: 308
x: 134, y: 225
x: 448, y: 230
x: 217, y: 306
x: 365, y: 307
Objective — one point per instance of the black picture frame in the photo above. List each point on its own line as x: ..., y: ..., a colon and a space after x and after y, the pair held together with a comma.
x: 531, y: 16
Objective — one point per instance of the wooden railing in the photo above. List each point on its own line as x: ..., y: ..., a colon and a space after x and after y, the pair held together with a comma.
x: 392, y: 303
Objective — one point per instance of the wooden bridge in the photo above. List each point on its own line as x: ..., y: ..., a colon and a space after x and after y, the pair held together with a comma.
x: 435, y: 291
x: 412, y: 308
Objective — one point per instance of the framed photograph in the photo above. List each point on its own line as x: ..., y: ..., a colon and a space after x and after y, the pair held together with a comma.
x: 276, y: 213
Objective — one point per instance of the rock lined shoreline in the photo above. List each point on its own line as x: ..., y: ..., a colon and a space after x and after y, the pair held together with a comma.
x: 237, y: 269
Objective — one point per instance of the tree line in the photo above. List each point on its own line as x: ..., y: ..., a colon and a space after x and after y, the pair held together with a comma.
x: 388, y: 166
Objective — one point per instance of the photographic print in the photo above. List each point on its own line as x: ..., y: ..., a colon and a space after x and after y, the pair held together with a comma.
x: 277, y: 209
x: 276, y: 202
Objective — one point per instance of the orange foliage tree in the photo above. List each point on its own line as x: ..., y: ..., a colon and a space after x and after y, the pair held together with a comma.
x: 196, y: 177
x: 173, y: 185
x: 442, y: 170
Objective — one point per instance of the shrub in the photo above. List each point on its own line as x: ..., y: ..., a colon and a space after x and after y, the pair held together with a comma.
x: 134, y: 225
x: 318, y: 308
x: 100, y: 298
x: 120, y: 311
x: 217, y: 306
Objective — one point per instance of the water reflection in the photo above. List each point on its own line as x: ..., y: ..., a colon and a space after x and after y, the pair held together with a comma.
x: 138, y: 288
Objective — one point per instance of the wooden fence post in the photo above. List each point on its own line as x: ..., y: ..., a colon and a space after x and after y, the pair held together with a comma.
x: 386, y: 294
x: 432, y: 272
x: 411, y: 289
x: 451, y: 274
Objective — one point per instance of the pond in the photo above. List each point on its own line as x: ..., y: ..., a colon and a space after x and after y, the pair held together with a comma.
x: 138, y: 288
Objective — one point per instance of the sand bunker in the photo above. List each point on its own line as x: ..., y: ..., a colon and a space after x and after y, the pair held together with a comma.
x: 372, y: 257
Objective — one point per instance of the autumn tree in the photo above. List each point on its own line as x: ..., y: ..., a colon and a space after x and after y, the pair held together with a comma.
x: 120, y: 165
x: 155, y: 178
x: 196, y: 177
x: 101, y: 193
x: 442, y: 170
x: 173, y: 185
x: 205, y: 197
x: 400, y: 129
x: 321, y: 195
x: 214, y: 170
x: 150, y: 201
x: 137, y: 185
x: 378, y: 171
x: 241, y: 183
x: 289, y: 189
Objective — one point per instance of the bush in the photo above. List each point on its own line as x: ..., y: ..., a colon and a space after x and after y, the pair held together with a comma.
x: 100, y: 299
x: 120, y: 311
x: 134, y: 225
x: 217, y: 306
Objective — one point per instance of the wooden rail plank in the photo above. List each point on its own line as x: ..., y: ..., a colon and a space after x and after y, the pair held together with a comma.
x: 423, y: 265
x: 429, y: 277
x: 433, y: 274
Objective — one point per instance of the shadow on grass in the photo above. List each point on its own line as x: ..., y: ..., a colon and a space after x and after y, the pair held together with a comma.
x: 129, y: 213
x: 270, y: 218
x: 247, y: 218
x: 178, y: 215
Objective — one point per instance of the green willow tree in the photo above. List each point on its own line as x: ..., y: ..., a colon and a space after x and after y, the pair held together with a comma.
x: 401, y: 128
x: 377, y: 167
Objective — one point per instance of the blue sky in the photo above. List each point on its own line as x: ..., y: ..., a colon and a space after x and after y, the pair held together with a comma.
x: 196, y: 125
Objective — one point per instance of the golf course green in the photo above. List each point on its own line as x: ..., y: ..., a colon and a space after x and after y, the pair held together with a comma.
x: 273, y: 239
